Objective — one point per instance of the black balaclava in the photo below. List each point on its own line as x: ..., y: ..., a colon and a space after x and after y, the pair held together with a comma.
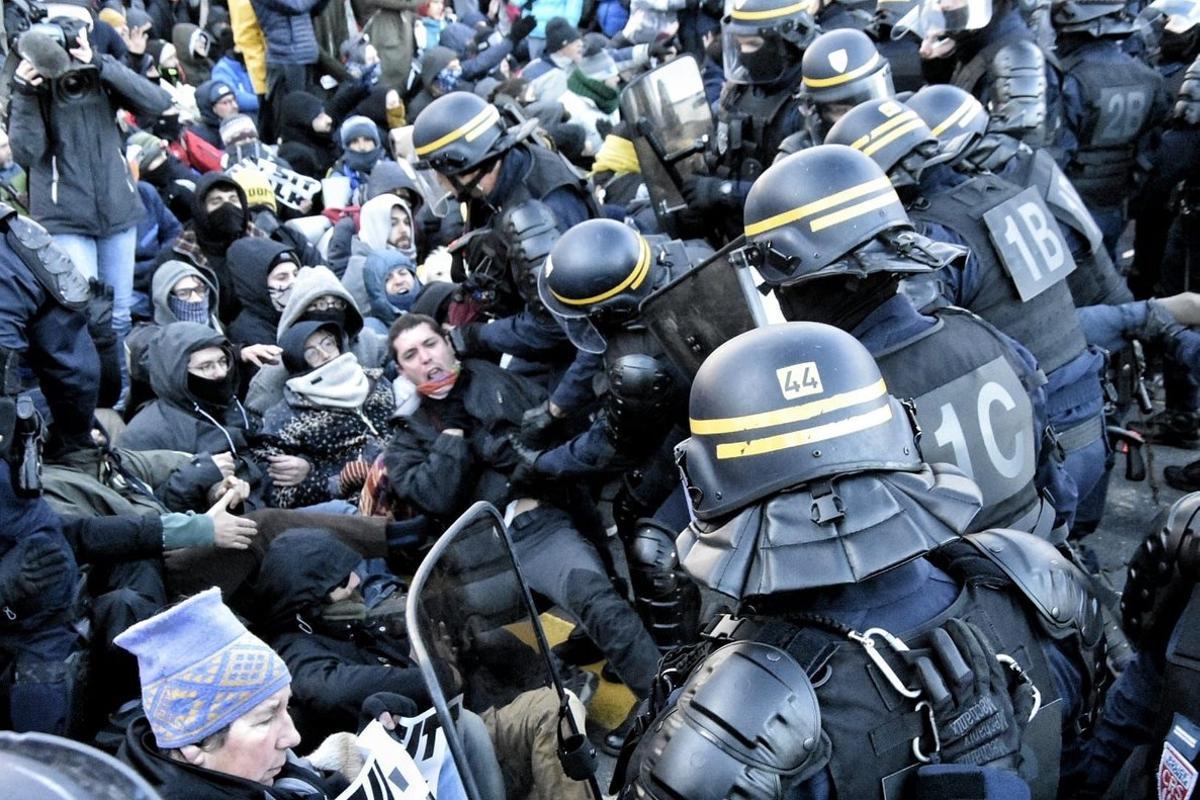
x: 218, y: 229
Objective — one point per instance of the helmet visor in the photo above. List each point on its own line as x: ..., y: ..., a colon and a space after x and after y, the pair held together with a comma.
x: 944, y: 17
x: 1182, y: 15
x: 752, y: 55
x: 834, y: 101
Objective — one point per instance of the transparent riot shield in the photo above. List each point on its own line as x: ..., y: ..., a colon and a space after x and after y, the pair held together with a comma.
x: 476, y: 635
x: 673, y: 125
x: 695, y: 313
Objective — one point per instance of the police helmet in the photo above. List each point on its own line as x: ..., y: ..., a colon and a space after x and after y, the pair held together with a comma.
x: 1187, y: 106
x: 781, y: 406
x: 843, y: 67
x: 39, y: 766
x: 805, y: 214
x: 890, y: 12
x: 890, y: 133
x: 458, y: 132
x: 594, y: 278
x: 953, y: 115
x: 1105, y: 18
x: 762, y: 38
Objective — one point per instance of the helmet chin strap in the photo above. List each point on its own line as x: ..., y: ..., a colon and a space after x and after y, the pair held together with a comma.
x: 465, y: 190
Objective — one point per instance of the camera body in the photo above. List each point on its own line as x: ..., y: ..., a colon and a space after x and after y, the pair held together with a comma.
x: 47, y: 46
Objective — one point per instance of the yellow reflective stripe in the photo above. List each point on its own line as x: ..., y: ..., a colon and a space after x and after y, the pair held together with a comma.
x: 884, y: 141
x: 783, y: 416
x: 800, y: 212
x: 821, y: 433
x: 771, y: 13
x: 959, y: 113
x: 882, y: 128
x: 856, y: 210
x: 635, y: 279
x: 846, y: 77
x: 472, y: 130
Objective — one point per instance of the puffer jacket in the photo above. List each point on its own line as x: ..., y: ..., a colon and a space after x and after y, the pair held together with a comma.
x: 74, y: 153
x: 288, y: 28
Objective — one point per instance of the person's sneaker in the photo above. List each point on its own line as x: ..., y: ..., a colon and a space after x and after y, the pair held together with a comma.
x: 1172, y: 428
x: 577, y: 649
x: 581, y: 683
x: 1185, y: 478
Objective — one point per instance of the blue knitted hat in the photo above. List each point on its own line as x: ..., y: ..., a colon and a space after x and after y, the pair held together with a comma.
x: 200, y: 669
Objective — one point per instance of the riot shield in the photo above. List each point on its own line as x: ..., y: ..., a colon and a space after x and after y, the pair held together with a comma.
x: 704, y: 307
x: 673, y: 125
x: 476, y: 636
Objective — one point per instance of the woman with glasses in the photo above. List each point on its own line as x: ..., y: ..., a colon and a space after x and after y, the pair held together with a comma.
x: 332, y: 421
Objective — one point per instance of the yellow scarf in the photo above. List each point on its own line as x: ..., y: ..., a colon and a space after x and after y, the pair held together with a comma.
x: 616, y: 155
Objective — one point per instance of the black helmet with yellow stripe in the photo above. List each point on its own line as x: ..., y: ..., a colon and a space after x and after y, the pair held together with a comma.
x: 891, y: 134
x: 761, y: 39
x: 782, y: 406
x: 458, y: 132
x: 953, y: 115
x: 843, y: 67
x: 594, y: 278
x: 811, y: 214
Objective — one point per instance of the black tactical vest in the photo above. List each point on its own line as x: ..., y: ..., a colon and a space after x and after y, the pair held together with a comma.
x: 750, y: 128
x: 871, y: 726
x: 1181, y: 677
x: 1119, y: 99
x: 973, y: 409
x: 1095, y: 280
x: 1029, y: 252
x: 548, y: 171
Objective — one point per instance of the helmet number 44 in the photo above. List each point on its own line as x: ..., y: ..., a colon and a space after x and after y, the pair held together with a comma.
x: 799, y: 380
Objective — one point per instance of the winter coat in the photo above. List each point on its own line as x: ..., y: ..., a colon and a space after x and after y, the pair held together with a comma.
x: 248, y: 37
x: 442, y: 475
x: 233, y: 72
x: 178, y: 780
x: 155, y: 230
x: 372, y: 349
x: 196, y: 69
x: 310, y: 153
x: 74, y: 153
x: 327, y: 438
x: 89, y: 483
x: 177, y: 420
x: 165, y: 278
x: 251, y: 261
x: 287, y: 26
x: 391, y: 31
x: 545, y: 10
x: 334, y: 669
x: 586, y: 114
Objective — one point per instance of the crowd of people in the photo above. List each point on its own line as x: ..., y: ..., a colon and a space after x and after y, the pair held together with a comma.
x: 289, y: 285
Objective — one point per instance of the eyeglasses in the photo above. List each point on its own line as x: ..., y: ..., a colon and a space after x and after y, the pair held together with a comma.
x: 327, y: 304
x: 325, y: 346
x: 199, y: 292
x: 210, y: 368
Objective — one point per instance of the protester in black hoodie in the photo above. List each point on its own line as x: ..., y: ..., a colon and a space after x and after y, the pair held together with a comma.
x: 305, y: 131
x: 263, y: 273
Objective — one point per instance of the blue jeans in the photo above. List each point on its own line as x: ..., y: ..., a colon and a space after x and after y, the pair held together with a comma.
x: 109, y: 258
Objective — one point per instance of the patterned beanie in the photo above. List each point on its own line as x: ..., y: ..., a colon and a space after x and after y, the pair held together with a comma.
x: 200, y: 669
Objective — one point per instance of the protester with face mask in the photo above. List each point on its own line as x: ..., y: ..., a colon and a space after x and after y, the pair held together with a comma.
x: 305, y: 134
x: 174, y: 181
x: 264, y: 273
x: 192, y: 45
x: 334, y: 413
x: 362, y: 148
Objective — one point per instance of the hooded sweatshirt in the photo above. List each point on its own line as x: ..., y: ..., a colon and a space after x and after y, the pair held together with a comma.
x: 205, y: 241
x: 198, y: 70
x: 168, y: 308
x: 310, y: 153
x: 266, y: 390
x: 333, y: 669
x: 250, y: 262
x: 375, y: 225
x: 179, y: 419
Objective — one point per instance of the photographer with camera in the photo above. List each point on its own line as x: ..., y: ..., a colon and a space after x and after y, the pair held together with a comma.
x: 64, y: 133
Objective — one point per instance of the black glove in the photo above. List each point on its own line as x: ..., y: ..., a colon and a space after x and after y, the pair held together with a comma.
x: 627, y: 509
x: 100, y: 313
x: 604, y: 128
x: 662, y: 47
x: 385, y: 702
x: 454, y: 415
x: 521, y: 28
x: 31, y: 568
x: 705, y: 191
x: 526, y: 472
x: 539, y: 427
x: 979, y: 719
x: 465, y: 340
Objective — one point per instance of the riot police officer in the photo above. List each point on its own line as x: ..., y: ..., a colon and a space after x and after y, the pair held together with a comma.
x: 1002, y: 280
x: 41, y: 326
x: 593, y: 281
x: 1110, y: 101
x: 762, y: 42
x: 816, y: 514
x: 840, y: 69
x: 829, y: 233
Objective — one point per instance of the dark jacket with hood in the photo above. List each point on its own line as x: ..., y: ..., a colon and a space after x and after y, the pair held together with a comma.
x: 207, y: 238
x: 176, y: 780
x: 335, y: 667
x: 310, y: 153
x: 442, y: 475
x: 179, y: 419
x: 74, y: 153
x: 198, y: 70
x: 209, y: 126
x: 251, y: 261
